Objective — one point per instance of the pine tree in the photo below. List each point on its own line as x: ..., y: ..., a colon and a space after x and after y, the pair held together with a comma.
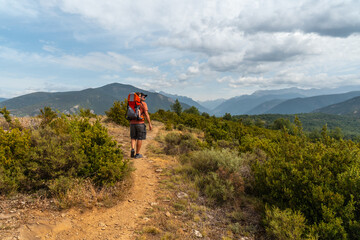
x: 176, y: 107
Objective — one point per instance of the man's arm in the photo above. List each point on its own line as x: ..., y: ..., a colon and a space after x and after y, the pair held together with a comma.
x: 148, y: 119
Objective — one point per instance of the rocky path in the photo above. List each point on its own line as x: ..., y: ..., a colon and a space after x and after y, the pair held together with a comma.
x: 118, y: 222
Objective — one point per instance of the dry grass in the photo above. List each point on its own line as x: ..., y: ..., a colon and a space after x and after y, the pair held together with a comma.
x: 85, y: 195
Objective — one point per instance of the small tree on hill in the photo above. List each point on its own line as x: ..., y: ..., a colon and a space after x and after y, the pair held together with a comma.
x: 47, y: 115
x: 176, y: 107
x: 227, y: 116
x: 6, y: 115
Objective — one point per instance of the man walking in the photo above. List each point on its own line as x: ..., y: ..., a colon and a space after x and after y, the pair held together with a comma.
x: 138, y: 127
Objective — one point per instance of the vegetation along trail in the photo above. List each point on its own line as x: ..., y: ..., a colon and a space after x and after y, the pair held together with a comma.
x: 117, y: 222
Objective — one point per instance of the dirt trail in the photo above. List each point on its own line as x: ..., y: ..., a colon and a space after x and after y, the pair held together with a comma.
x: 118, y: 222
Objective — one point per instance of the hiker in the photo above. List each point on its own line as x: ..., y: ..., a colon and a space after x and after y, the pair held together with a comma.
x: 138, y: 127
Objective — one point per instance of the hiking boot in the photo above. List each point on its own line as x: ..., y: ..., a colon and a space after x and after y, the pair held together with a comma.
x: 132, y: 153
x: 138, y: 155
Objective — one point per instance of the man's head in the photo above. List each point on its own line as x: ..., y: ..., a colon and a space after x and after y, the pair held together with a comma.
x: 143, y: 96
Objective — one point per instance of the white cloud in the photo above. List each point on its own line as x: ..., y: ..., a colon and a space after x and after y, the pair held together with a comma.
x: 144, y: 70
x: 50, y: 48
x: 10, y: 85
x: 94, y: 61
x: 264, y: 43
x: 110, y: 77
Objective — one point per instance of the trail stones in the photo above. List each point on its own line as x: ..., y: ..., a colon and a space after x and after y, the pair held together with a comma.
x: 182, y: 195
x: 6, y: 216
x: 102, y: 225
x: 159, y: 170
x: 197, y: 233
x: 154, y: 204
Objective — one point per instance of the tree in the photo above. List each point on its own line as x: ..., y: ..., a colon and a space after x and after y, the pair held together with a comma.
x: 336, y: 133
x: 192, y: 110
x: 6, y: 114
x: 47, y: 115
x: 176, y: 107
x: 227, y: 116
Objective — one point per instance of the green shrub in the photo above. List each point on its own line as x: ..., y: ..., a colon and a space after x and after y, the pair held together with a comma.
x: 6, y: 115
x: 168, y: 126
x: 192, y: 110
x: 179, y: 143
x: 313, y: 178
x: 51, y: 157
x: 180, y: 127
x: 210, y: 160
x: 285, y: 224
x: 216, y: 188
x: 86, y: 113
x: 105, y: 164
x: 117, y: 113
x: 14, y: 147
x: 217, y: 173
x: 47, y: 115
x: 10, y: 123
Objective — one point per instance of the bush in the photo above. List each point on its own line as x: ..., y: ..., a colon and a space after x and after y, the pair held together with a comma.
x: 285, y: 224
x: 168, y: 126
x: 6, y: 115
x: 14, y: 147
x: 9, y: 121
x: 192, y: 110
x: 47, y: 115
x: 52, y: 156
x: 316, y: 176
x: 217, y: 173
x: 178, y: 143
x: 117, y: 113
x: 87, y: 113
x: 313, y: 178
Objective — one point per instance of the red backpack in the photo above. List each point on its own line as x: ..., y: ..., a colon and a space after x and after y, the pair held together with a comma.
x: 133, y: 107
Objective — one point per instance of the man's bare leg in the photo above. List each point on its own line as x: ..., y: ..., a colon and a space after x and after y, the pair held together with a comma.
x: 138, y: 146
x: 133, y: 142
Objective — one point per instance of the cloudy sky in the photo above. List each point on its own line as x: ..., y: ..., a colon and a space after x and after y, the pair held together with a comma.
x: 204, y: 49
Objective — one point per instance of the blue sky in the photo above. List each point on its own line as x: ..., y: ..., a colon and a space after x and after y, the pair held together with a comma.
x: 203, y: 49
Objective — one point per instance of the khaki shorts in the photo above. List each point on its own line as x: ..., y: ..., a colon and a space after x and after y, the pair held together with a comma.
x: 138, y: 131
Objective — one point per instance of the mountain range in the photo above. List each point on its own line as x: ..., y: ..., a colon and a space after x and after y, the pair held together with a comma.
x: 97, y: 99
x: 282, y: 101
x: 310, y: 104
x: 2, y: 99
